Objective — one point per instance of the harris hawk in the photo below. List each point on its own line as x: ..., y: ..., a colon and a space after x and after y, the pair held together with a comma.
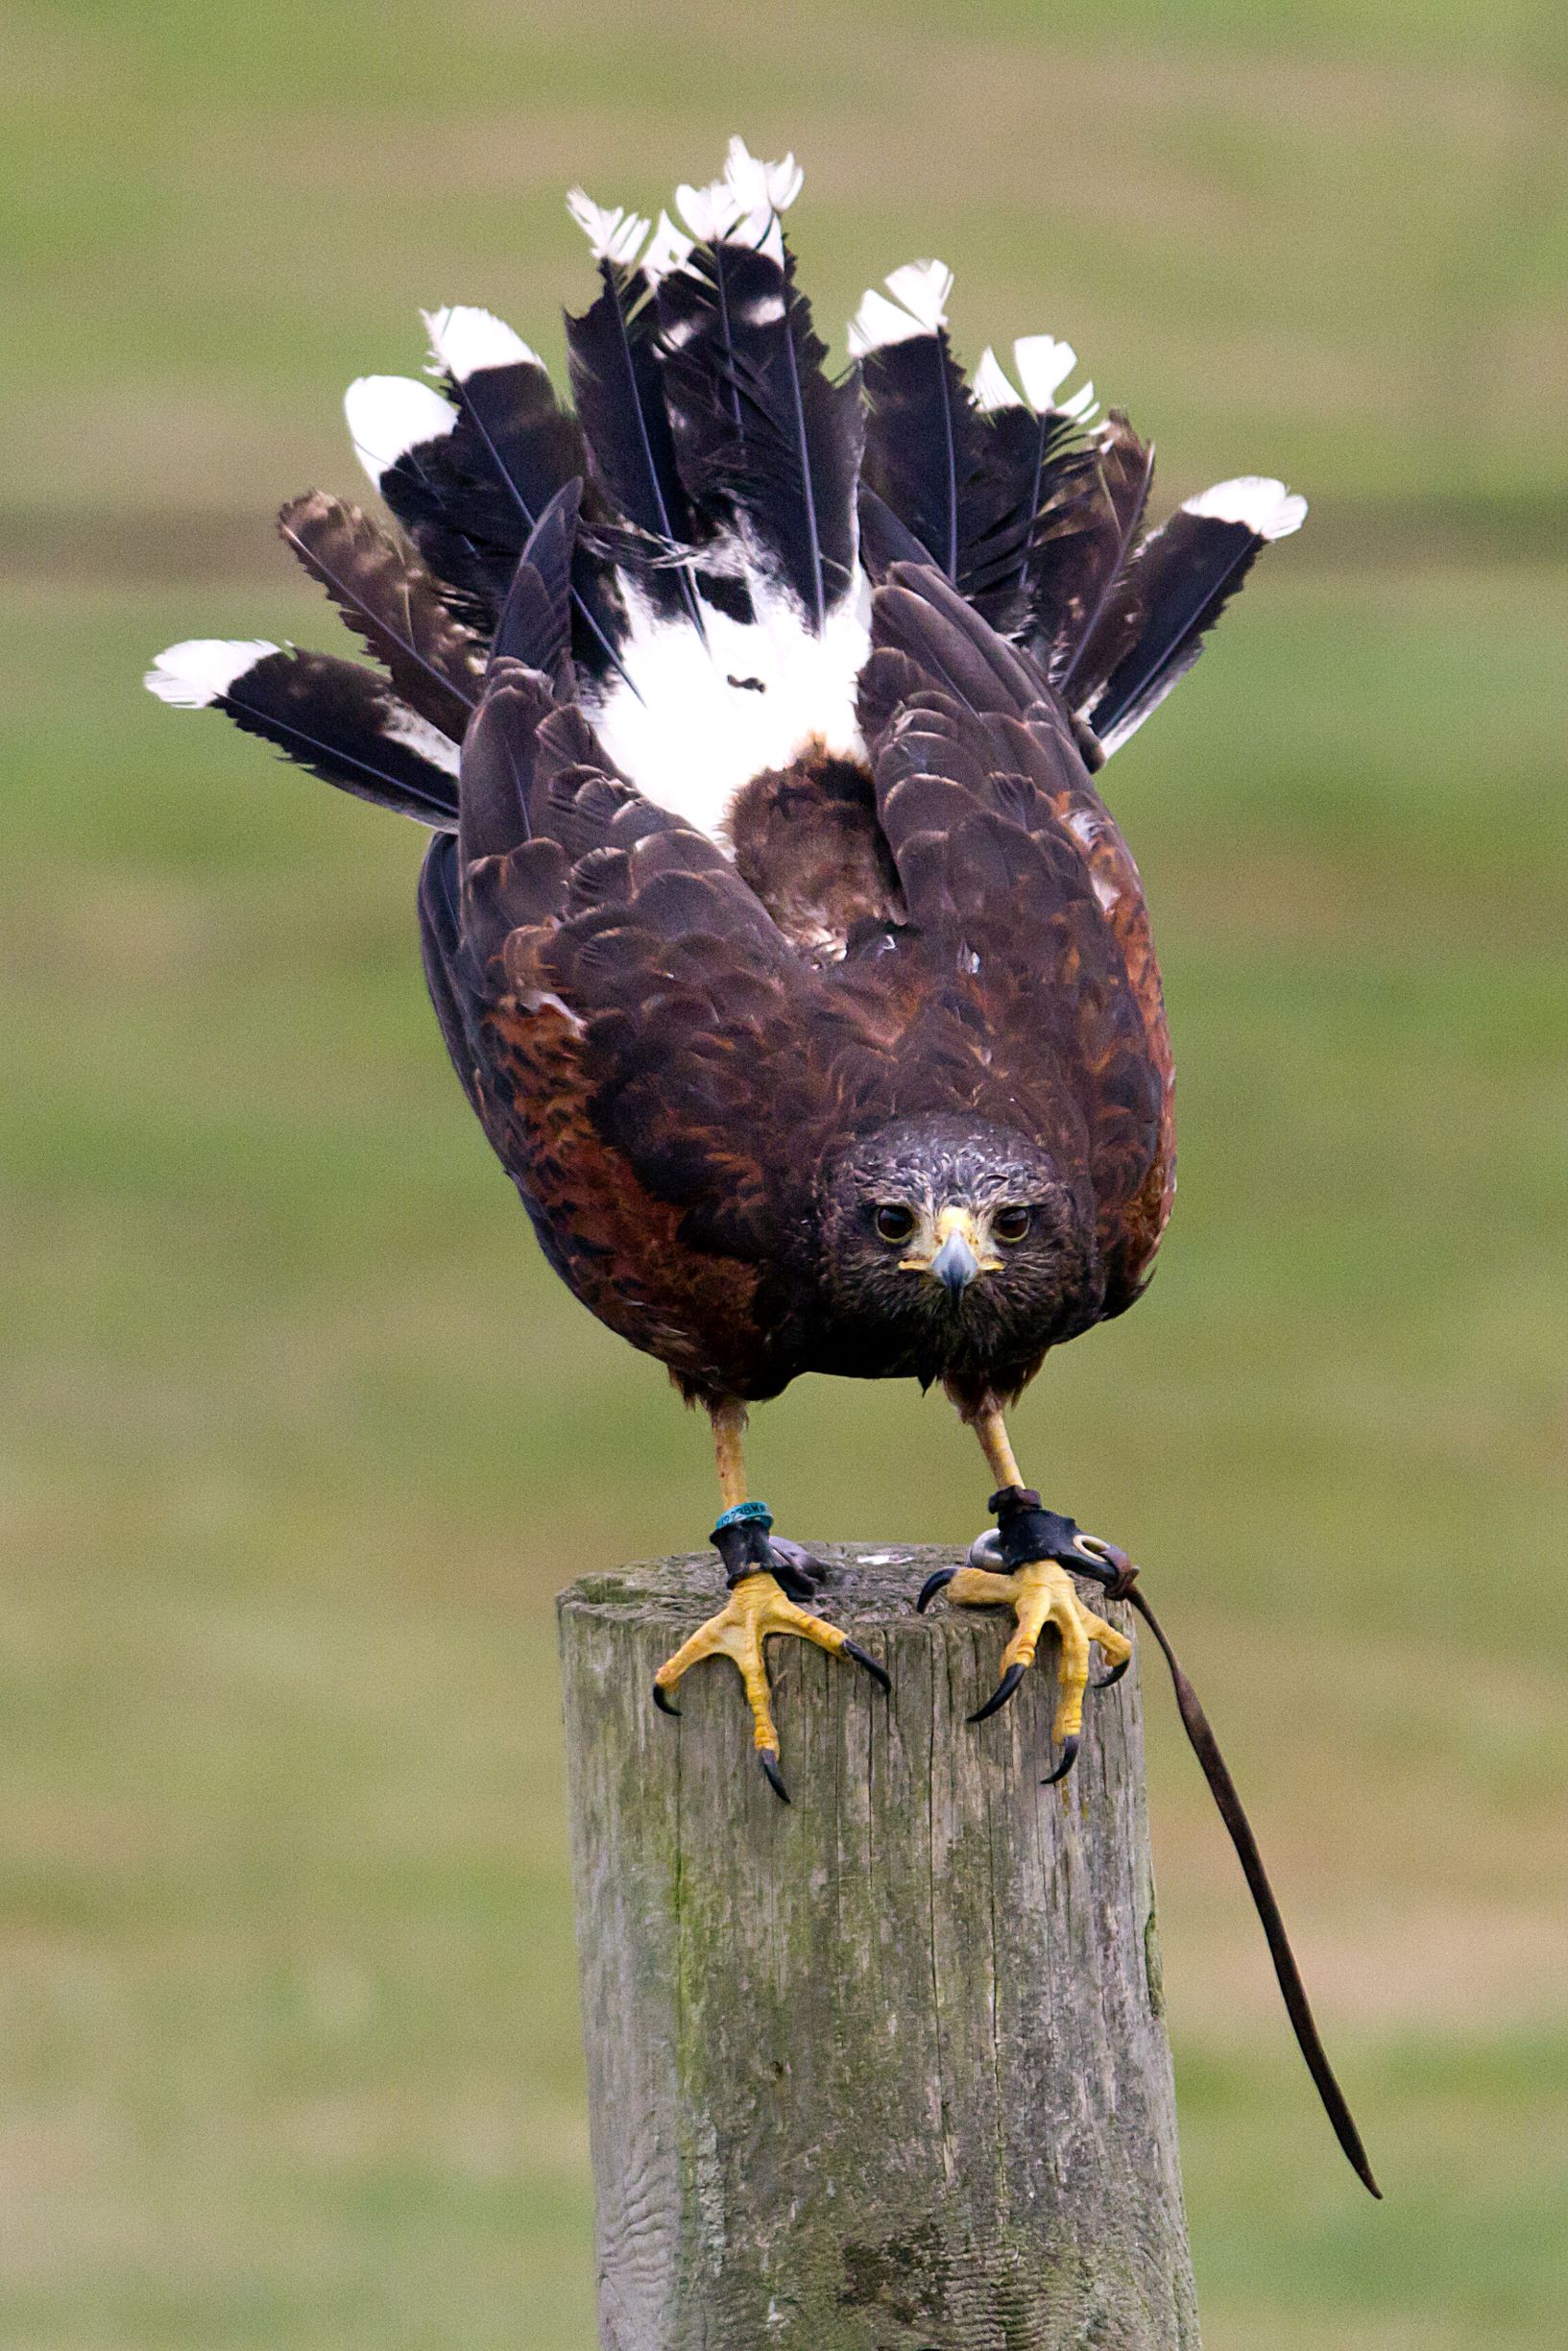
x: 794, y: 966
x: 785, y: 947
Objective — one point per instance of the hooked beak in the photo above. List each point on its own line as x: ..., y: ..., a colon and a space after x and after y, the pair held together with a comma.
x: 956, y: 1258
x: 956, y: 1265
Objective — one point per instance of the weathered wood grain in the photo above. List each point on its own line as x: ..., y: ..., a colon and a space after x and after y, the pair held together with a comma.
x: 887, y: 2069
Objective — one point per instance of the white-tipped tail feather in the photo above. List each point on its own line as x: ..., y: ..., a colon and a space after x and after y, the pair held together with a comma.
x: 992, y: 388
x: 756, y: 185
x: 919, y: 308
x: 200, y: 672
x: 463, y: 340
x: 667, y: 250
x: 1258, y: 501
x: 389, y: 415
x: 614, y: 234
x: 709, y: 213
x: 702, y: 700
x: 759, y: 493
x: 340, y: 720
x: 743, y: 204
x: 1044, y: 365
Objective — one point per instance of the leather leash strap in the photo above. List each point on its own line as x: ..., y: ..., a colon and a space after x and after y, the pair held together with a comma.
x: 1222, y: 1787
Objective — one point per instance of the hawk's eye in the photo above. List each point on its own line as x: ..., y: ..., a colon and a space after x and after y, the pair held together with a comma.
x: 1011, y: 1223
x: 895, y: 1221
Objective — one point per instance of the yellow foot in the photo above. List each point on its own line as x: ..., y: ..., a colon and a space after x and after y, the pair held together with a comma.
x: 756, y: 1608
x: 1039, y: 1594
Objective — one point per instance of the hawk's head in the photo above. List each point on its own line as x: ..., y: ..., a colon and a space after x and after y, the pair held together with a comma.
x: 957, y: 1240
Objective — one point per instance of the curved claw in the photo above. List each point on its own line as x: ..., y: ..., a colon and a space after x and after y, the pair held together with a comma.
x: 662, y: 1702
x: 877, y: 1672
x: 1109, y: 1680
x: 771, y: 1773
x: 932, y: 1584
x: 999, y: 1696
x: 1069, y: 1756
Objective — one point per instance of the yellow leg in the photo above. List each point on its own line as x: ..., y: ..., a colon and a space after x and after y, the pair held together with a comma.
x: 730, y: 1451
x: 996, y: 1446
x: 1039, y: 1594
x: 756, y: 1608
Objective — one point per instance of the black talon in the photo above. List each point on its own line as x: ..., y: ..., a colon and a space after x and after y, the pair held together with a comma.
x: 999, y: 1696
x: 663, y: 1703
x: 1069, y: 1756
x: 932, y: 1584
x: 770, y: 1773
x: 878, y: 1673
x: 1109, y: 1680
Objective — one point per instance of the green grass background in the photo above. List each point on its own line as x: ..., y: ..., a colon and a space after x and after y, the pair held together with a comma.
x: 300, y: 1434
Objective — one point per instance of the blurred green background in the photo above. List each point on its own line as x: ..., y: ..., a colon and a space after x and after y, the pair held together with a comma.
x: 300, y: 1434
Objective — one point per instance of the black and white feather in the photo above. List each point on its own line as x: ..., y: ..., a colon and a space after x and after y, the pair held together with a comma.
x: 924, y: 441
x: 687, y: 553
x: 754, y: 469
x: 1181, y: 578
x: 342, y: 721
x: 392, y: 603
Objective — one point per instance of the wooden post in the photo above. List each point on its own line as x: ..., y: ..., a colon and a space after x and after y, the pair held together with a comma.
x: 884, y: 2070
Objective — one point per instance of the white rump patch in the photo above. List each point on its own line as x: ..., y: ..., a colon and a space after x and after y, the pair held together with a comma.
x: 389, y: 415
x: 406, y: 726
x: 714, y: 716
x: 463, y: 340
x: 613, y: 235
x: 195, y: 674
x: 919, y: 308
x: 1264, y: 505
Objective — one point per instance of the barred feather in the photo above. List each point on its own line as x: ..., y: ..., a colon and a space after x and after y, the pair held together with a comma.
x: 390, y: 601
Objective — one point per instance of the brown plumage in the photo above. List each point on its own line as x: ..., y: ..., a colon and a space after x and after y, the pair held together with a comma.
x: 676, y: 1055
x: 781, y: 938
